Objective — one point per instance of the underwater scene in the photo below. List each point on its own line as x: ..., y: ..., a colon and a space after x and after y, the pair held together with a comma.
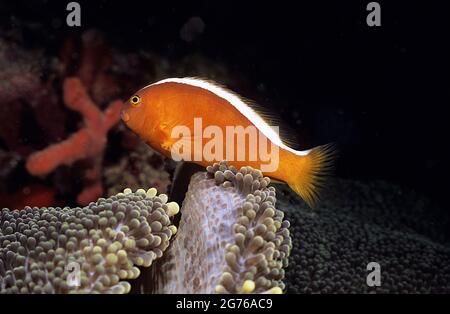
x: 223, y: 147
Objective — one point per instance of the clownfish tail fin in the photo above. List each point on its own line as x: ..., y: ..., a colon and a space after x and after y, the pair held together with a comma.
x: 312, y: 171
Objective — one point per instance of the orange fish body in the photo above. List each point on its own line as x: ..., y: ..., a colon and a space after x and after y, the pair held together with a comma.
x: 199, y: 121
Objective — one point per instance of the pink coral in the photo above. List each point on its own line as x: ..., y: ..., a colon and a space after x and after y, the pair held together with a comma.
x: 88, y: 143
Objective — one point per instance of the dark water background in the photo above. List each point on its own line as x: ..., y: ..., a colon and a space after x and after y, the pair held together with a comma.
x: 380, y: 93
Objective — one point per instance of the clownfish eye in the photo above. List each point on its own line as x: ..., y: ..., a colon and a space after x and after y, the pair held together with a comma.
x: 135, y: 100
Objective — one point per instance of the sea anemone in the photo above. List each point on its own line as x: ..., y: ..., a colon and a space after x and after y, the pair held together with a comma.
x: 102, y: 242
x: 231, y: 238
x: 358, y: 223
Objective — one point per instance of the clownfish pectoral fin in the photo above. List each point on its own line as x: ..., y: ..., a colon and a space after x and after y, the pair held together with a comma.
x: 185, y: 148
x: 310, y: 175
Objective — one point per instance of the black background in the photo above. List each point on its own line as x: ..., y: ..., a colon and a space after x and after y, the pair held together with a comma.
x: 381, y: 93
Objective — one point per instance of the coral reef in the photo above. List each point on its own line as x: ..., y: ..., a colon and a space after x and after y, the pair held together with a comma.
x: 87, y: 143
x: 358, y: 223
x: 141, y: 166
x: 28, y: 97
x: 229, y: 226
x: 39, y: 246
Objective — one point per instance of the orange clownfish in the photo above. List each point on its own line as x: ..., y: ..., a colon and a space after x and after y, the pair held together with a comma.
x: 200, y: 121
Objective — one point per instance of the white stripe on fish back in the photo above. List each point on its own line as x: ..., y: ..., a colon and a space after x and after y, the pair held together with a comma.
x: 240, y: 105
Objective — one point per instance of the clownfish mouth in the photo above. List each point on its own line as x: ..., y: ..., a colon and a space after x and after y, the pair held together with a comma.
x: 125, y: 116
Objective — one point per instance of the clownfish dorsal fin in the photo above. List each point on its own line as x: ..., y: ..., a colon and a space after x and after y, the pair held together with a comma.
x: 286, y: 133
